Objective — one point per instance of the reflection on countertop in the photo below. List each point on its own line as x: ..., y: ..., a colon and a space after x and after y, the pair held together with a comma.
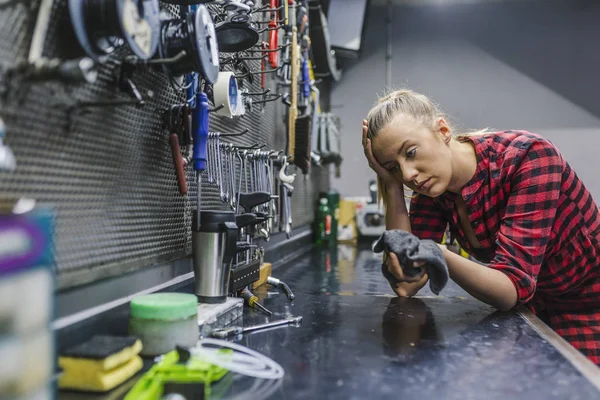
x: 358, y: 340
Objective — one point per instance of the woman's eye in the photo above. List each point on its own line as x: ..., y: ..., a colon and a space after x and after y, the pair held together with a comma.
x: 395, y: 168
x: 411, y: 153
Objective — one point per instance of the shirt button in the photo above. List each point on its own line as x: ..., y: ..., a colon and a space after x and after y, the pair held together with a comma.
x: 476, y: 224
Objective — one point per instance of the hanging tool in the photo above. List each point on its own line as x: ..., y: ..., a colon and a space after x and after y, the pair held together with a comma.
x: 40, y: 31
x: 191, y: 83
x: 237, y: 32
x: 178, y: 163
x: 186, y: 133
x: 82, y: 70
x: 238, y: 330
x: 38, y: 67
x: 303, y: 123
x: 200, y: 132
x: 286, y: 190
x: 103, y: 25
x: 293, y: 111
x: 252, y: 301
x: 322, y: 53
x: 314, y: 152
x: 193, y: 36
x: 273, y: 37
x: 283, y: 285
x: 305, y: 77
x: 302, y: 19
x: 272, y: 205
x: 178, y: 124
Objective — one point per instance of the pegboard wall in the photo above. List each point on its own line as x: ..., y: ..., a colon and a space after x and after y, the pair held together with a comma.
x: 109, y: 171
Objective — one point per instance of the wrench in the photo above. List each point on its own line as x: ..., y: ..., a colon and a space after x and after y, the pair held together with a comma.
x: 231, y: 176
x: 287, y: 193
x: 245, y: 168
x: 219, y: 167
x: 209, y: 167
x: 251, y: 172
x: 213, y: 161
x: 271, y: 220
x: 242, y: 173
x: 225, y: 166
x: 238, y: 330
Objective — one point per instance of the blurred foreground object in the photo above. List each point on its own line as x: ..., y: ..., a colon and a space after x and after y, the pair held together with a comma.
x: 26, y: 299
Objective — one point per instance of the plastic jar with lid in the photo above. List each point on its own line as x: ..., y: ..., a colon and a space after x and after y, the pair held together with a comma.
x: 163, y: 321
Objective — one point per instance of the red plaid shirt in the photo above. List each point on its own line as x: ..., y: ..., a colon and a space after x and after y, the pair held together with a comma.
x: 537, y: 223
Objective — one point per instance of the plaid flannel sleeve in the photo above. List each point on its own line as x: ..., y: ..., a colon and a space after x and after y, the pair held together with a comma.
x: 427, y: 220
x: 526, y: 227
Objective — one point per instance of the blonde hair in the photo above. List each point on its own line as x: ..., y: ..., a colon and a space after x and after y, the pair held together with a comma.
x: 409, y: 103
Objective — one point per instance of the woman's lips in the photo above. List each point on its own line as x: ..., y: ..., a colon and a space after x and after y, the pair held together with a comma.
x: 424, y: 185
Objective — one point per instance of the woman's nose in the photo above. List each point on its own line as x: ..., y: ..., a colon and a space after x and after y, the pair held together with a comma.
x: 409, y: 174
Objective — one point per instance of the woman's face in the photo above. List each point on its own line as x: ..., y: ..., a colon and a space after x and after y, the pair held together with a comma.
x: 417, y: 156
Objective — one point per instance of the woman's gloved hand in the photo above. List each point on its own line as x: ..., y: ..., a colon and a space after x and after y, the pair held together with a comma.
x: 402, y: 284
x: 386, y: 176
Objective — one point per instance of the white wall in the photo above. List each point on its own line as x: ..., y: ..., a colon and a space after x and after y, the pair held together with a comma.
x: 480, y: 77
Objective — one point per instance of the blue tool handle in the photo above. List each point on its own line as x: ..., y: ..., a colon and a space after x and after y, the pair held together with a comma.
x: 200, y: 131
x: 305, y: 80
x: 192, y: 82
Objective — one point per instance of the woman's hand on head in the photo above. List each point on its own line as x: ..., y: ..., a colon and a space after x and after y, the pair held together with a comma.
x: 388, y: 178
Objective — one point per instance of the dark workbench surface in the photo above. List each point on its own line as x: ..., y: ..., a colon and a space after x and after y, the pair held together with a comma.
x: 358, y: 341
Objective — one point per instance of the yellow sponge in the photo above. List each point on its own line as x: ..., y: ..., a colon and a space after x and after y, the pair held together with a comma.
x: 100, y: 364
x: 99, y: 381
x: 103, y: 364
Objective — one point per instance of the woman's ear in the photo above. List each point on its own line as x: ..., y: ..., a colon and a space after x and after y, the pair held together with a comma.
x: 444, y: 129
x: 447, y: 138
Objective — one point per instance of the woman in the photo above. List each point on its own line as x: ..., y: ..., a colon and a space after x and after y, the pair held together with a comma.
x: 509, y: 198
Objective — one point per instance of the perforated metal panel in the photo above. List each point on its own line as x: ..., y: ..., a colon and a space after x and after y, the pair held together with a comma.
x: 109, y: 171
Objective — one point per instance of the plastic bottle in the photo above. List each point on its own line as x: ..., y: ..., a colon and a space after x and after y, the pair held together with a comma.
x: 323, y: 223
x: 333, y: 201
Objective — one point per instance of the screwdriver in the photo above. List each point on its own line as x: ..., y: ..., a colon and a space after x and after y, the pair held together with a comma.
x: 252, y: 301
x: 200, y: 132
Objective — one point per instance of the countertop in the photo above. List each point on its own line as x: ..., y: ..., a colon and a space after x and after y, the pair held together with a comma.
x: 357, y: 340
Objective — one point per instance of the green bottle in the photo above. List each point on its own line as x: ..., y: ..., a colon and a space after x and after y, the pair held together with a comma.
x: 333, y: 201
x: 323, y: 223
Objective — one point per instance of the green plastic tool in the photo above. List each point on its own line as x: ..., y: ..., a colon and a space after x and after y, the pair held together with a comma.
x: 171, y: 370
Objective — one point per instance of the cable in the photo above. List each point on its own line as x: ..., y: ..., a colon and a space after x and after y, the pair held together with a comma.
x: 242, y: 361
x: 261, y: 389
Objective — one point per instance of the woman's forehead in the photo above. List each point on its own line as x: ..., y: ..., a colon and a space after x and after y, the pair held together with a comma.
x: 403, y: 128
